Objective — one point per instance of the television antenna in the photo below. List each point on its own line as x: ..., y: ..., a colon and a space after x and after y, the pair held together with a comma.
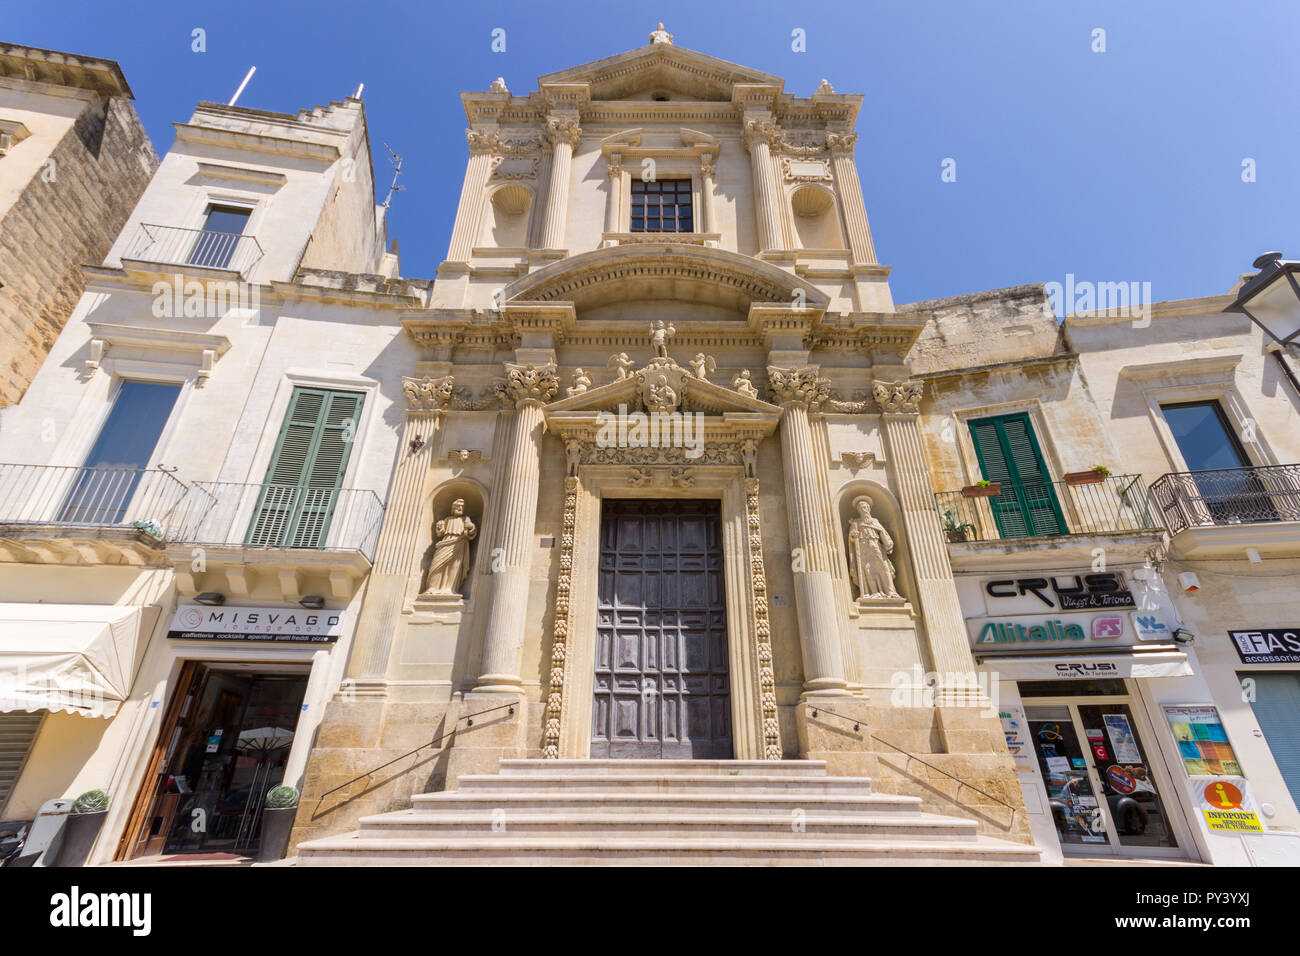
x: 396, y: 162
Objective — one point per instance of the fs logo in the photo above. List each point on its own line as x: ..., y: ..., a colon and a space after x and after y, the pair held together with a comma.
x: 1105, y: 628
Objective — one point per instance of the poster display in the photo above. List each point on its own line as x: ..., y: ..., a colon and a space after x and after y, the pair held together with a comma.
x: 1121, y: 738
x: 1202, y: 741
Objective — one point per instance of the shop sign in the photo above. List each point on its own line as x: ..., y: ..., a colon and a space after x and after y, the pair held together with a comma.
x: 1269, y: 645
x: 281, y: 625
x: 1202, y: 741
x: 1036, y: 633
x: 1057, y: 592
x: 1228, y: 809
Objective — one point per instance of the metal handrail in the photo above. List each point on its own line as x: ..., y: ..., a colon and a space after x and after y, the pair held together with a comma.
x: 911, y: 756
x: 469, y: 722
x: 1116, y: 503
x: 176, y: 245
x: 1228, y: 496
x: 96, y: 497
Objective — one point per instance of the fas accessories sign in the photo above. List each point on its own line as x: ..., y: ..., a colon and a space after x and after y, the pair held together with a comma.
x: 285, y: 625
x: 1268, y: 645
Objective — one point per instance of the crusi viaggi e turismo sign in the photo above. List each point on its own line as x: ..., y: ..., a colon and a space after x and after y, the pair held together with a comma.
x: 279, y: 624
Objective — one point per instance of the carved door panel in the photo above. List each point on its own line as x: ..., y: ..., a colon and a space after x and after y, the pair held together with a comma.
x: 662, y: 687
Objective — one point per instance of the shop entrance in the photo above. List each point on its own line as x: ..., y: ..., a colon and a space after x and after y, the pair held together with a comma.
x: 224, y: 743
x: 1104, y: 791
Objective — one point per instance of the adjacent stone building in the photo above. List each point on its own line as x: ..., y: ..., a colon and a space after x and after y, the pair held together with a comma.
x: 74, y: 159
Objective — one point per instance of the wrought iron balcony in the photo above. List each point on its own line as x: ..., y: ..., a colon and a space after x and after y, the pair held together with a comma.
x: 278, y: 517
x: 1228, y: 496
x: 1115, y: 504
x: 67, y: 501
x: 173, y: 245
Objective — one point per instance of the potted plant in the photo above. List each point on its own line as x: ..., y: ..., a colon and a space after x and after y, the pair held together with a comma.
x: 1090, y: 477
x: 277, y: 822
x: 983, y: 489
x: 957, y: 532
x: 81, y: 829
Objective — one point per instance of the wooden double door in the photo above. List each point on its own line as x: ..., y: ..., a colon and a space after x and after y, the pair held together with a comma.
x: 662, y: 686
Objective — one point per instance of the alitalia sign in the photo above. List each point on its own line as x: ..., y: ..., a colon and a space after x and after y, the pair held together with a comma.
x: 1036, y: 632
x: 1008, y: 632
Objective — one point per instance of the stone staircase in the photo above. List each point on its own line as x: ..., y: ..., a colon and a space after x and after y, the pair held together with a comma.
x: 662, y: 812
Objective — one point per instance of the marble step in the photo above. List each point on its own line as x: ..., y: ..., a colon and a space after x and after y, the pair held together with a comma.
x: 607, y: 768
x: 794, y: 827
x: 779, y: 804
x: 664, y: 783
x: 354, y: 850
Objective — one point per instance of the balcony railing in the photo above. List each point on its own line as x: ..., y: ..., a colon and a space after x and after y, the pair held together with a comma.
x: 78, y: 497
x: 279, y: 516
x: 1117, y: 503
x: 172, y: 245
x: 1228, y: 496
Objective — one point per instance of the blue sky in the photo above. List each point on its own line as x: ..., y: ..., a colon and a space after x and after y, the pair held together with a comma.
x: 1123, y: 165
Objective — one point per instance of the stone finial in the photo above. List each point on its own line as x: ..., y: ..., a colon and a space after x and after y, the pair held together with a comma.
x: 660, y: 35
x: 499, y: 85
x: 825, y: 86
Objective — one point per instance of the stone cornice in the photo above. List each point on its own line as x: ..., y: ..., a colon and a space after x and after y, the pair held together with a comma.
x: 63, y: 69
x: 257, y: 142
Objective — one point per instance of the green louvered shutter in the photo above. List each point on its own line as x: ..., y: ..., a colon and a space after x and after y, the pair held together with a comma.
x: 306, y: 470
x: 1008, y: 453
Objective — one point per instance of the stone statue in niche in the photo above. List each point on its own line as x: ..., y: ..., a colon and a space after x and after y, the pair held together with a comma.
x: 450, y: 562
x: 869, y: 548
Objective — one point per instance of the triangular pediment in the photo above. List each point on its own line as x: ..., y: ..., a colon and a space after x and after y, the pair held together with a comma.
x: 690, y: 393
x: 659, y: 69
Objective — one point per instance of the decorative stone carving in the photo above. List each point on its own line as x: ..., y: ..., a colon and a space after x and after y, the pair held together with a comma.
x: 660, y: 36
x: 715, y: 453
x: 531, y: 383
x: 499, y: 85
x: 580, y: 382
x: 659, y: 395
x: 869, y: 548
x: 860, y: 403
x: 682, y: 478
x: 708, y: 165
x: 857, y: 459
x: 560, y: 633
x: 841, y: 142
x: 563, y: 129
x: 638, y: 477
x: 573, y: 455
x: 463, y: 456
x: 621, y: 364
x: 428, y: 394
x: 663, y: 385
x: 898, y: 396
x: 749, y: 451
x: 805, y: 170
x: 761, y: 131
x: 802, y: 386
x: 660, y: 332
x: 481, y: 141
x: 743, y: 385
x: 702, y: 363
x: 450, y: 561
x: 762, y: 625
x: 825, y: 86
x: 614, y: 165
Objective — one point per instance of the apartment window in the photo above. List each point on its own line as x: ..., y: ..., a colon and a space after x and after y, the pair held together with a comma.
x: 1223, y: 481
x: 662, y: 206
x: 222, y: 227
x: 105, y: 483
x: 297, y: 501
x: 1008, y: 453
x: 1203, y: 437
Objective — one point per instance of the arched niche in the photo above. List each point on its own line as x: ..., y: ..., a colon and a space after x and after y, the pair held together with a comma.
x: 506, y: 223
x: 886, y: 509
x: 439, y: 506
x: 815, y: 218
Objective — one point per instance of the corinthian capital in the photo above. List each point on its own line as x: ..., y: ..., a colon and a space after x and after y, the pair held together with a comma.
x: 531, y: 383
x: 761, y: 131
x: 841, y: 143
x: 798, y: 386
x: 428, y: 394
x: 482, y: 141
x: 898, y: 396
x: 563, y: 129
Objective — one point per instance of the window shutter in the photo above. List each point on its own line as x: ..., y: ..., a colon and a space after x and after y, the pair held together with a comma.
x: 17, y: 731
x: 307, y: 469
x: 1038, y: 498
x: 1008, y: 453
x: 1277, y: 708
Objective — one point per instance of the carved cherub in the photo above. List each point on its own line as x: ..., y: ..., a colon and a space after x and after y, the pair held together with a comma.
x: 580, y: 382
x: 743, y: 385
x: 621, y: 363
x: 660, y: 332
x: 702, y: 363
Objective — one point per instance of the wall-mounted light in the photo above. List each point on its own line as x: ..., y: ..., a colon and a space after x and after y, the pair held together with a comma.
x: 313, y: 602
x: 211, y: 598
x: 1183, y: 636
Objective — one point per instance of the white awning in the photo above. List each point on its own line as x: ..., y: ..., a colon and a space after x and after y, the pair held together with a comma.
x: 78, y: 658
x: 1088, y: 666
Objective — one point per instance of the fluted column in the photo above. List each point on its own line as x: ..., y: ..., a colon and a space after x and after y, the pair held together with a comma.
x: 562, y: 132
x: 399, y: 536
x: 464, y: 233
x: 614, y: 198
x: 796, y: 391
x: 759, y: 137
x: 530, y: 387
x: 944, y: 624
x: 855, y: 211
x: 708, y: 216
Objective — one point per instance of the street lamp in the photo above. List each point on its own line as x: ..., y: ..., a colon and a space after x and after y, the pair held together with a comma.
x: 1271, y: 299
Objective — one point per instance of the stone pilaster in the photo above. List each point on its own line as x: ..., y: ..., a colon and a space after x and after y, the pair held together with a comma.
x: 400, y: 535
x: 760, y: 136
x: 841, y: 145
x: 563, y: 133
x: 482, y: 144
x: 797, y: 390
x: 944, y: 625
x: 708, y: 215
x: 530, y: 387
x: 614, y: 197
